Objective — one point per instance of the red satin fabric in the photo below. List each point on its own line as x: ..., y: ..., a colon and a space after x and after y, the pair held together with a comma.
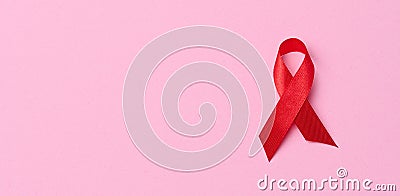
x: 293, y: 105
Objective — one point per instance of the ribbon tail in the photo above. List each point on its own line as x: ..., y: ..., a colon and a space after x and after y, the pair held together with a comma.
x: 311, y: 126
x: 266, y: 130
x: 279, y: 125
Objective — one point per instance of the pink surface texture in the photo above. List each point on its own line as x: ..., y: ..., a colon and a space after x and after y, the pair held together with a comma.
x: 63, y: 65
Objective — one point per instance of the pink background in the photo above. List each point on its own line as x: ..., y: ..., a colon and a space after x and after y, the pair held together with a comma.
x: 63, y: 65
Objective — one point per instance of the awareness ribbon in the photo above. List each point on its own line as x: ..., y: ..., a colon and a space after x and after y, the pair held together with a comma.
x: 293, y: 105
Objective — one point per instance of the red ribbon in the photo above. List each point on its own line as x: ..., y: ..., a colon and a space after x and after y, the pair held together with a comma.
x: 293, y: 105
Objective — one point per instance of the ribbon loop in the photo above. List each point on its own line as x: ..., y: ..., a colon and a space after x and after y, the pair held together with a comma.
x: 293, y: 106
